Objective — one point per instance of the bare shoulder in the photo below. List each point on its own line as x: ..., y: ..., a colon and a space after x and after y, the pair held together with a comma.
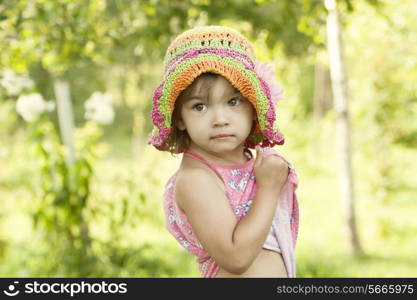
x: 192, y: 181
x: 188, y: 176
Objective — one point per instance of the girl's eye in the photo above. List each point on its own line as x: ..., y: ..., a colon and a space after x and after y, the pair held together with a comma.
x: 234, y: 101
x: 199, y: 106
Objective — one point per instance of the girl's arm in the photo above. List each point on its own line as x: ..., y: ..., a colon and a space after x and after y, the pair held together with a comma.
x: 232, y: 244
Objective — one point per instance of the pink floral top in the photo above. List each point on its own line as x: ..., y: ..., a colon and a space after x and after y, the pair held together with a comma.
x: 240, y: 185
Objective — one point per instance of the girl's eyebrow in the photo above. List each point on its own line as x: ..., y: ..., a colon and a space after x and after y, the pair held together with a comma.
x: 197, y: 97
x: 234, y: 94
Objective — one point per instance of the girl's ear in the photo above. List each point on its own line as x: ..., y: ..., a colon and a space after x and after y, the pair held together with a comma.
x: 180, y: 124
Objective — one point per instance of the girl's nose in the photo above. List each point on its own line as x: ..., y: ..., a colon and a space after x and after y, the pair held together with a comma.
x: 220, y: 118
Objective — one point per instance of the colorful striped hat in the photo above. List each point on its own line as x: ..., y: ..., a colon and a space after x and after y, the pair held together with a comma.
x: 225, y: 51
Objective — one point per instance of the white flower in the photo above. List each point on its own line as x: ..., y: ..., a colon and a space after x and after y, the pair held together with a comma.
x: 32, y: 105
x: 99, y: 108
x: 13, y: 83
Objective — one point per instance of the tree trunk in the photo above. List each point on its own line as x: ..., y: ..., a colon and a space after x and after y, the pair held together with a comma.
x: 340, y: 94
x: 322, y: 92
x: 65, y: 117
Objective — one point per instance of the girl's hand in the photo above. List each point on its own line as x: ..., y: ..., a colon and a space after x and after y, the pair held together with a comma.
x: 271, y: 172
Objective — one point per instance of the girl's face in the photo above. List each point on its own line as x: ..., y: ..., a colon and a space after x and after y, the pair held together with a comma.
x: 218, y: 119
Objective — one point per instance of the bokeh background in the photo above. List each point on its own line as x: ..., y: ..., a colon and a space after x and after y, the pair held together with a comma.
x: 81, y: 191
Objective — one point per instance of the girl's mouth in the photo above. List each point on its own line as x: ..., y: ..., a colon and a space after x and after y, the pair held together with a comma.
x: 222, y: 136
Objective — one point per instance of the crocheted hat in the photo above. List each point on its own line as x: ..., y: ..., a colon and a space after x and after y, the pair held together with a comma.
x: 225, y: 51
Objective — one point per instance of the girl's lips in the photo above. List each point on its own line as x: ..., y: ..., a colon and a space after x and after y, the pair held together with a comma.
x: 222, y: 136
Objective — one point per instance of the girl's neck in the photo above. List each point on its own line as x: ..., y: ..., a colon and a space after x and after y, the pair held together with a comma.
x: 237, y: 156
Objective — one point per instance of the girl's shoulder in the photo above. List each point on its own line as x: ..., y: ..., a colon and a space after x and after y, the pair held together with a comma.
x: 191, y: 170
x: 195, y: 182
x: 187, y: 176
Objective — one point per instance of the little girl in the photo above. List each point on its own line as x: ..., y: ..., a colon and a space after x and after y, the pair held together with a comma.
x: 238, y: 214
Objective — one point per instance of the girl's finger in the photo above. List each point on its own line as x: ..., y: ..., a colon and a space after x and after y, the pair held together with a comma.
x: 258, y: 159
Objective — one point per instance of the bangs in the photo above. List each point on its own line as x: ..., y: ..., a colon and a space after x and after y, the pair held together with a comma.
x: 200, y: 86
